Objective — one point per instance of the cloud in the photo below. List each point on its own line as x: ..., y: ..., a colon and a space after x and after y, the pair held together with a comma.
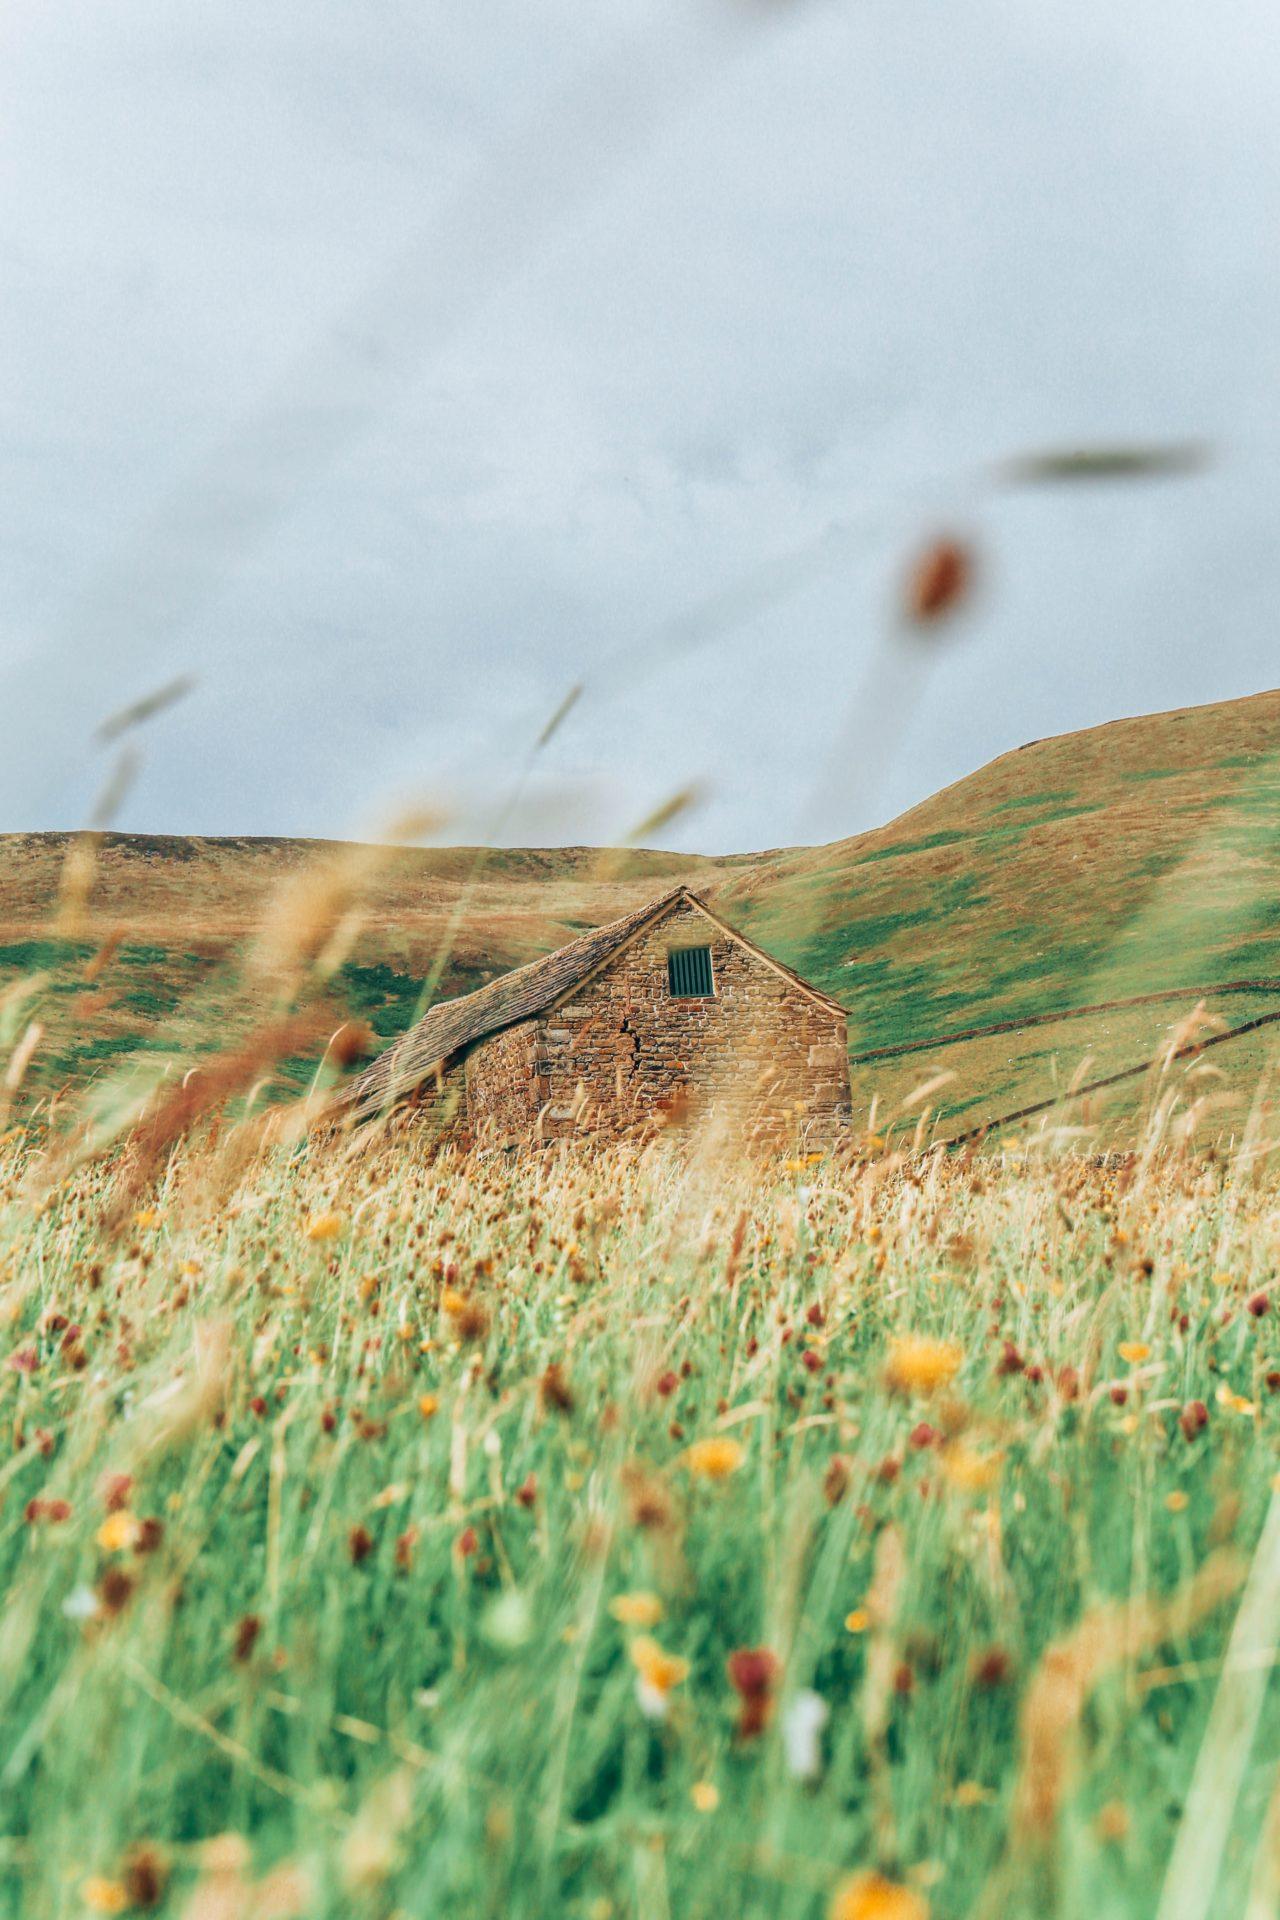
x: 321, y: 378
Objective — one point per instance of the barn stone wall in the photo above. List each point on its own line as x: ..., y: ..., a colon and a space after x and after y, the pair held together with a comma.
x: 438, y: 1105
x: 621, y: 1053
x: 503, y: 1095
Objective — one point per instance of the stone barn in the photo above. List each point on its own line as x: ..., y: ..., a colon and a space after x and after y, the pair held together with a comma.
x: 664, y: 1017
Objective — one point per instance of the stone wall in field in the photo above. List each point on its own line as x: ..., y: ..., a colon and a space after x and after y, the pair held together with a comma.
x: 760, y: 1057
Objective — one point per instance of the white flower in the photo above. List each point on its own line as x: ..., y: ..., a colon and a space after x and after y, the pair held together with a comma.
x: 653, y: 1701
x: 508, y: 1622
x: 806, y: 1715
x: 80, y: 1604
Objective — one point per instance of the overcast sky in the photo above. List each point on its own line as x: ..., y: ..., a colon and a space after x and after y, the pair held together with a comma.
x: 394, y: 367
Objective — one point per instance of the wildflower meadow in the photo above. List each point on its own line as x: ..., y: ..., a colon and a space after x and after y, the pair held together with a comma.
x: 385, y: 1531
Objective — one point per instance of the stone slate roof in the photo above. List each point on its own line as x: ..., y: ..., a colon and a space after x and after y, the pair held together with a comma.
x: 452, y: 1025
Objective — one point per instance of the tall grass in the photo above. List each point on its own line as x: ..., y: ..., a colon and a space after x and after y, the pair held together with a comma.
x: 610, y: 1534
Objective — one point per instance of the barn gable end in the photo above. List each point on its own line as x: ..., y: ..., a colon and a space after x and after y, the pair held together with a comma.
x: 764, y: 1052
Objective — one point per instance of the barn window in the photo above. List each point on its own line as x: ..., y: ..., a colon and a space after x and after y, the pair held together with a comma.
x: 689, y: 973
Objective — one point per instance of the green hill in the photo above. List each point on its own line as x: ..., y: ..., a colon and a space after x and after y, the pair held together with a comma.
x: 1127, y: 859
x: 1131, y: 859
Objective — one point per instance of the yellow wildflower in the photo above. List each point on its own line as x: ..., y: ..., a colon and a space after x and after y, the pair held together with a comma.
x: 1176, y: 1501
x: 870, y: 1896
x: 325, y: 1226
x: 715, y: 1458
x: 1134, y: 1352
x: 1235, y: 1402
x: 970, y: 1471
x: 918, y: 1364
x: 705, y: 1795
x: 118, y: 1531
x: 429, y: 1405
x: 104, y: 1896
x: 636, y: 1609
x: 658, y: 1669
x: 858, y: 1621
x: 146, y: 1217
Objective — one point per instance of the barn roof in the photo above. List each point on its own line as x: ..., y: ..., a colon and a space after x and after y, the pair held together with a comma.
x: 451, y: 1025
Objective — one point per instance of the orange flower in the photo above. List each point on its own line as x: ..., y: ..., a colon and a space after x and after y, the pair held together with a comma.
x: 657, y: 1673
x: 118, y: 1531
x: 325, y: 1226
x: 1134, y: 1352
x: 715, y: 1458
x: 918, y: 1364
x: 870, y: 1896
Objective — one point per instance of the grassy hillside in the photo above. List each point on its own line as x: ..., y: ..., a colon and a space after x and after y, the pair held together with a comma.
x: 1126, y: 859
x: 1139, y: 856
